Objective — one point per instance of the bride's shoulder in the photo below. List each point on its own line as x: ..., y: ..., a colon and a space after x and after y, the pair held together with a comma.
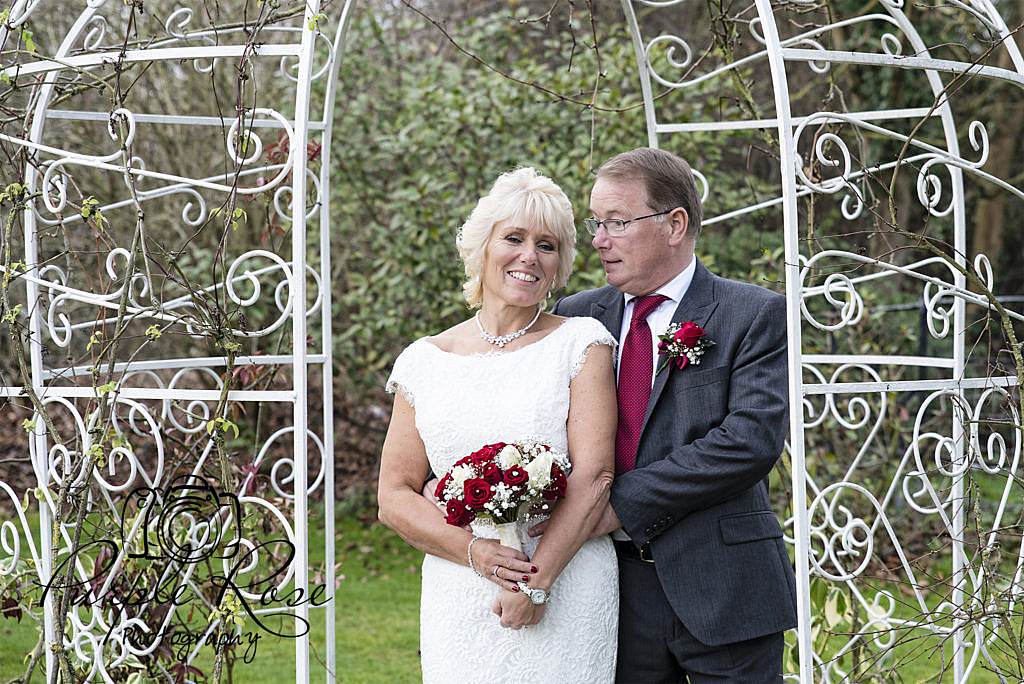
x: 446, y: 340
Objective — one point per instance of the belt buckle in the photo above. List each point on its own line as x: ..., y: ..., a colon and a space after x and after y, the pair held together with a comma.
x: 645, y: 554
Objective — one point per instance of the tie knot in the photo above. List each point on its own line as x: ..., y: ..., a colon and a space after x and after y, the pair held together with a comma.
x: 643, y: 306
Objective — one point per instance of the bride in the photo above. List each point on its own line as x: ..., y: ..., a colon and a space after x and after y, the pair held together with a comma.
x: 511, y: 373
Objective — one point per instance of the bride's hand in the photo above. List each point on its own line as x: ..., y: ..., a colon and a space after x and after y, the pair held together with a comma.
x: 501, y: 564
x: 516, y: 611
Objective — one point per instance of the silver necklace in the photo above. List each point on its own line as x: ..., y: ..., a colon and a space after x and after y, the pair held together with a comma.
x: 501, y: 340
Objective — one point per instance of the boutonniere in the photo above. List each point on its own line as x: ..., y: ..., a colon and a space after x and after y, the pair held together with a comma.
x: 683, y: 344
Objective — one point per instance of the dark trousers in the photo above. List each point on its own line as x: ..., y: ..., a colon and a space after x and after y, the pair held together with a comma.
x: 655, y: 647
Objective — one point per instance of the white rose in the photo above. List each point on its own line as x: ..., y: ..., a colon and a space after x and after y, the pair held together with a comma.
x: 509, y: 456
x: 539, y: 470
x: 459, y: 476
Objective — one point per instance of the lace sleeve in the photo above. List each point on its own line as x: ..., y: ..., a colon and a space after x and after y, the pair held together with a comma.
x: 591, y: 332
x: 401, y: 379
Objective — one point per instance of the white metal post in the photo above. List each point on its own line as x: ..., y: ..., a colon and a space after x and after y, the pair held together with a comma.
x: 299, y: 369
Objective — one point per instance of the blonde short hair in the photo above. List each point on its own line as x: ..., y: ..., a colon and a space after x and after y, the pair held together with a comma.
x: 524, y: 197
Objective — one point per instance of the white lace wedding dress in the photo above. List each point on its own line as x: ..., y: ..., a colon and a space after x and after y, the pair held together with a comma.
x: 462, y: 403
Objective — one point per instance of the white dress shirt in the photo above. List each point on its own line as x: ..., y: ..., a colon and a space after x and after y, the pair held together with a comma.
x: 658, y: 320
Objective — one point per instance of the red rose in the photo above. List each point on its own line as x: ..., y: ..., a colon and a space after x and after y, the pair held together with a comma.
x: 439, y: 490
x: 477, y: 492
x: 556, y: 490
x: 458, y: 514
x: 516, y: 476
x: 485, y: 455
x: 491, y: 473
x: 558, y: 480
x: 478, y: 458
x: 689, y: 334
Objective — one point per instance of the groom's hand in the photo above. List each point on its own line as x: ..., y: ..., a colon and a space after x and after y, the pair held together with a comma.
x: 609, y: 522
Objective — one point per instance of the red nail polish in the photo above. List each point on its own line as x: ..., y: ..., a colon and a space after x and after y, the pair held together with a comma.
x: 533, y: 569
x: 526, y: 578
x: 515, y: 588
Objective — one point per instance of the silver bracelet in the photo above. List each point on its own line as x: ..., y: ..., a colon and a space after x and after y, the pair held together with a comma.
x: 469, y: 556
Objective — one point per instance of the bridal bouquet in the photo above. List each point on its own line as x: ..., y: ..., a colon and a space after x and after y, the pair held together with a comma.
x: 500, y: 481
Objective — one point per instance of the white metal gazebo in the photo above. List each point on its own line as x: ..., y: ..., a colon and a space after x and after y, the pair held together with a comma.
x: 115, y: 407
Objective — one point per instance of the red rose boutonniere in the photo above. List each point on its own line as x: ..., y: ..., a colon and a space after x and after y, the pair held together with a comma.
x: 683, y: 344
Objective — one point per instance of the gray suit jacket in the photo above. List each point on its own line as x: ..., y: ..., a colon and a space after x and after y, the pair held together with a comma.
x: 713, y: 432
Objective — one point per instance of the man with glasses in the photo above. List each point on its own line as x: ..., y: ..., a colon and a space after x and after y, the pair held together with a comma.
x: 706, y: 584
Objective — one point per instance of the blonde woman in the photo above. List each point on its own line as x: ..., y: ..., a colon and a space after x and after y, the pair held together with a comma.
x: 510, y: 373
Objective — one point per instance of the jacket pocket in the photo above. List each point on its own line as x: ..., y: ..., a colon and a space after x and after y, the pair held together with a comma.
x: 748, y: 527
x: 693, y: 377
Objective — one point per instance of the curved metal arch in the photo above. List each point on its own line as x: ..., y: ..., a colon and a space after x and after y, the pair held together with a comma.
x: 49, y: 279
x: 778, y: 53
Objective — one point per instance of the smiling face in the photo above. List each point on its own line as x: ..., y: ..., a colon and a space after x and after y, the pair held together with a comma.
x: 650, y: 252
x: 520, y: 263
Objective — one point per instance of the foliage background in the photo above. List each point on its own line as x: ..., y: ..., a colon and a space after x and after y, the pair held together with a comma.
x: 422, y: 129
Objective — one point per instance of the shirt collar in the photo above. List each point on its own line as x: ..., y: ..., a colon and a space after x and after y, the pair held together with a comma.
x: 676, y: 288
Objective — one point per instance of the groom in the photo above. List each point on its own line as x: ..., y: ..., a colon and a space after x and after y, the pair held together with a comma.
x: 707, y: 588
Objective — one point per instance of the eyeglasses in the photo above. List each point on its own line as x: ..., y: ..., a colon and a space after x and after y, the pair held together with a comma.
x: 617, y: 227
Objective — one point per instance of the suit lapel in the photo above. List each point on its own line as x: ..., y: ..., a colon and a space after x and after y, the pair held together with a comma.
x: 609, y: 312
x: 697, y: 305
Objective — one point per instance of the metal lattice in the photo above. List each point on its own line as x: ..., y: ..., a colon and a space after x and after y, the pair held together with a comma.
x: 965, y: 424
x: 154, y: 398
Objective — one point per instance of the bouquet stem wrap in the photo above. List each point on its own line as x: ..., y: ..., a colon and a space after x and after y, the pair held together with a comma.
x: 508, y: 535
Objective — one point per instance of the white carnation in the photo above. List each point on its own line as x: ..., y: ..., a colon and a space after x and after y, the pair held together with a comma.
x: 509, y: 457
x: 539, y: 470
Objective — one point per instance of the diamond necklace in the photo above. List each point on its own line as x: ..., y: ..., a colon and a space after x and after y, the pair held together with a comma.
x: 501, y: 340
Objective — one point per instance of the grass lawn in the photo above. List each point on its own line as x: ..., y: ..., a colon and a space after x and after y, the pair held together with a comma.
x: 376, y: 615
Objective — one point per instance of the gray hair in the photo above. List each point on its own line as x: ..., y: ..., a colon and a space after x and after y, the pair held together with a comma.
x: 525, y: 197
x: 667, y: 178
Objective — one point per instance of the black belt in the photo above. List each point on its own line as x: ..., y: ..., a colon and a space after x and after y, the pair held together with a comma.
x: 627, y: 549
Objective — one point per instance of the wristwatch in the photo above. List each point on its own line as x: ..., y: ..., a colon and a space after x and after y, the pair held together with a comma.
x: 538, y: 596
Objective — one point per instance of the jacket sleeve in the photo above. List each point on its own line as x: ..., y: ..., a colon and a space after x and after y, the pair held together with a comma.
x: 730, y: 458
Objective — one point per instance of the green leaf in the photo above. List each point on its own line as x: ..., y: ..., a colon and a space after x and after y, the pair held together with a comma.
x: 819, y: 593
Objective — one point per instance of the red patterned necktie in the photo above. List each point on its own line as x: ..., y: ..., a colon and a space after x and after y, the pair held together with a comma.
x: 635, y: 369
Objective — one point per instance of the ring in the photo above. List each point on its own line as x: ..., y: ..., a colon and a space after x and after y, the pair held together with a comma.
x: 495, y: 571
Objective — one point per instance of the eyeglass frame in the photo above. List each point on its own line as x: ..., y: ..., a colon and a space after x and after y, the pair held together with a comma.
x: 588, y: 222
